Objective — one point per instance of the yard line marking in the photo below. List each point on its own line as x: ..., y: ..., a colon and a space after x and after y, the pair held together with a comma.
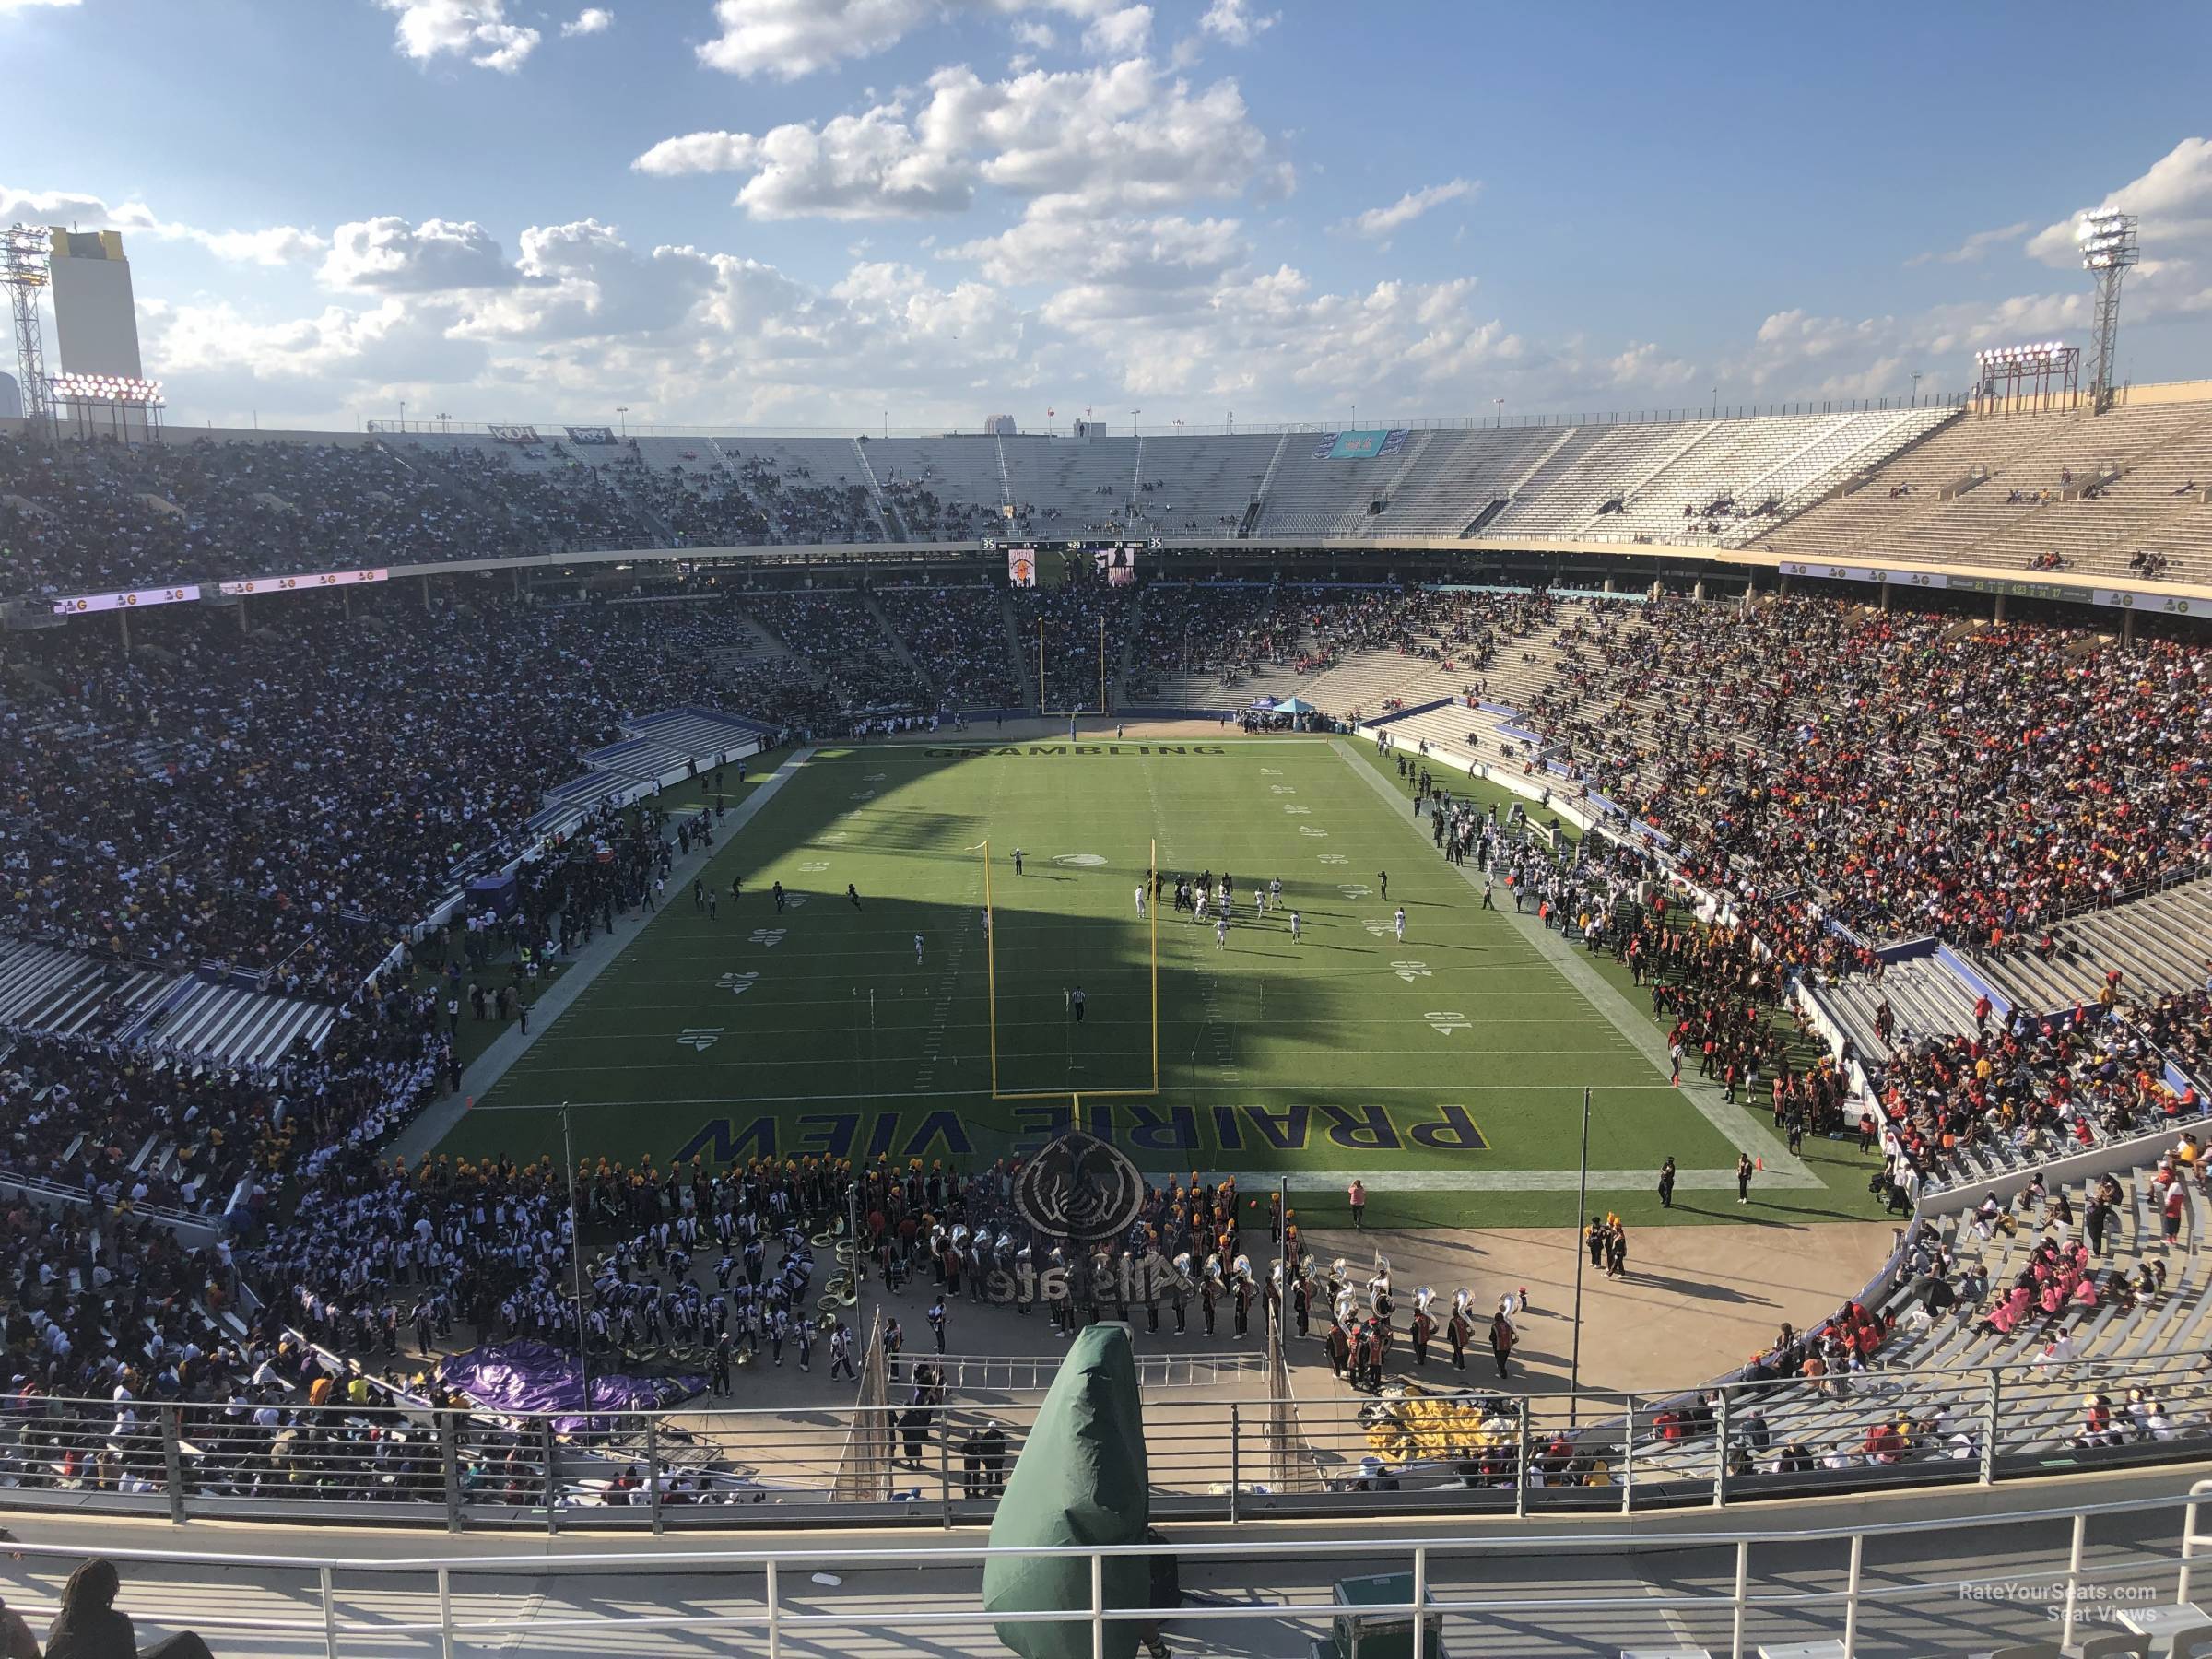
x: 951, y: 1094
x: 1738, y: 1126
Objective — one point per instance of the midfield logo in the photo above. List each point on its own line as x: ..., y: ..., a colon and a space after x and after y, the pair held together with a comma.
x: 768, y: 938
x: 737, y: 984
x: 700, y: 1039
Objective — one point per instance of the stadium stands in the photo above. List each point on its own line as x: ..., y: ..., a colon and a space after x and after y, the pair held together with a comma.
x: 213, y: 845
x: 90, y: 514
x: 2007, y: 489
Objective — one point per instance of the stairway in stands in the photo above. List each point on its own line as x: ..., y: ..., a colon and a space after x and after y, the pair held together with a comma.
x: 1023, y: 677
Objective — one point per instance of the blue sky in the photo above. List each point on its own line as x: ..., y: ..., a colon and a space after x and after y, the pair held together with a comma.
x: 823, y: 210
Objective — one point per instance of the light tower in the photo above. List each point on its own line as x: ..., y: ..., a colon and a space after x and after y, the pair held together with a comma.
x: 25, y: 267
x: 2108, y: 249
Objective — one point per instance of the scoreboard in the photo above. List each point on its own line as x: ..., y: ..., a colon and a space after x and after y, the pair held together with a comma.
x: 1056, y: 564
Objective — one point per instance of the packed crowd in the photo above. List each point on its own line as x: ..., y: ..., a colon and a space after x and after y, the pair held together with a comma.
x: 1080, y: 619
x: 86, y: 514
x: 1922, y: 775
x: 287, y: 799
x: 958, y: 636
x: 834, y: 633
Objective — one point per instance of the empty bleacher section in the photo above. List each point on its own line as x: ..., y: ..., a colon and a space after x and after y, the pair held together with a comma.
x: 657, y: 746
x: 68, y: 994
x: 2011, y: 490
x: 2161, y: 942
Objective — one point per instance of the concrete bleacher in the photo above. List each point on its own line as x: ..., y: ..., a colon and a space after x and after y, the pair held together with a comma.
x: 1937, y: 1366
x: 62, y: 993
x: 657, y: 746
x: 2161, y: 942
x: 2001, y: 490
x: 1200, y: 486
x: 228, y: 1025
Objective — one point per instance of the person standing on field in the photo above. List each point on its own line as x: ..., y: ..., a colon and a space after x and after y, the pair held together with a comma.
x: 1356, y: 1195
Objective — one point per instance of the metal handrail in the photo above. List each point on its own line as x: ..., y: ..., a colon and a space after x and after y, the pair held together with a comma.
x: 1854, y: 1597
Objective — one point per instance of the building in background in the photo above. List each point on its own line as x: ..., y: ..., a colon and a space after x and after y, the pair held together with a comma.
x: 102, y: 386
x: 11, y: 398
x: 1000, y: 426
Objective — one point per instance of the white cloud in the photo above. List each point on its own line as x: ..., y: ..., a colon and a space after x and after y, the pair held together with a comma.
x: 790, y: 39
x: 591, y: 20
x: 1378, y: 223
x: 2173, y: 200
x: 582, y: 279
x: 1116, y: 306
x: 477, y: 30
x: 1038, y: 36
x: 1648, y: 366
x: 699, y: 153
x: 388, y: 255
x: 8, y: 6
x: 867, y: 166
x: 1112, y: 139
x: 1229, y: 22
x: 66, y: 208
x: 275, y: 245
x: 1972, y: 250
x: 1120, y: 33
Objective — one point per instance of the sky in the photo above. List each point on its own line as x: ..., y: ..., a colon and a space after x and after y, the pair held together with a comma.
x: 919, y: 213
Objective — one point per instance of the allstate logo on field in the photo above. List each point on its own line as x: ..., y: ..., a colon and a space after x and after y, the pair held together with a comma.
x: 1078, y: 1187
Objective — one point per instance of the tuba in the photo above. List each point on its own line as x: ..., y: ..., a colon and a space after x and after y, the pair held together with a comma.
x: 1213, y: 1270
x: 1241, y: 1267
x: 1422, y: 1297
x: 1347, y: 1309
x: 1463, y: 1302
x: 1184, y: 1284
x: 960, y: 1239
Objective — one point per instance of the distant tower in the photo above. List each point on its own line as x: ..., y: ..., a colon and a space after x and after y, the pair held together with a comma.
x: 1000, y: 426
x: 94, y: 311
x: 2109, y: 251
x: 11, y: 398
x: 102, y: 383
x: 23, y: 259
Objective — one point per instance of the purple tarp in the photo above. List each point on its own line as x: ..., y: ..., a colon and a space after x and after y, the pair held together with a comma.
x: 536, y: 1376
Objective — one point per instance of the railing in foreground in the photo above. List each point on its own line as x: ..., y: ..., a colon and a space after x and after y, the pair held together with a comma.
x: 1400, y: 1452
x: 2028, y: 1572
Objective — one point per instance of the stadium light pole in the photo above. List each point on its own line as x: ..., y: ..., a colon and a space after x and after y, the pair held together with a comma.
x: 2109, y: 251
x: 583, y: 1351
x: 1582, y: 1208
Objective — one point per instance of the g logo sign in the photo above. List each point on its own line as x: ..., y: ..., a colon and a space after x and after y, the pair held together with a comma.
x: 1079, y: 1188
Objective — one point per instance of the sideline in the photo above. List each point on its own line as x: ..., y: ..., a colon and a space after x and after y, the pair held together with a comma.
x: 1737, y: 1125
x: 440, y: 1117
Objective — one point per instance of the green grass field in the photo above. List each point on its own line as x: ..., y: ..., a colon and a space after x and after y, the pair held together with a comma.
x: 1447, y: 1070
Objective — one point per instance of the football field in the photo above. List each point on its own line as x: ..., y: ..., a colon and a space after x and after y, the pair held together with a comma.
x: 1447, y: 1069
